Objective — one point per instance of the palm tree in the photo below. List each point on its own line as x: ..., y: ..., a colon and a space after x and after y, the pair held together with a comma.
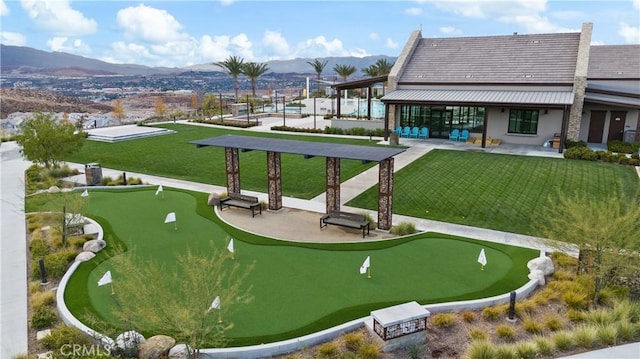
x: 233, y: 66
x: 344, y: 71
x: 318, y: 66
x: 254, y: 70
x: 380, y: 68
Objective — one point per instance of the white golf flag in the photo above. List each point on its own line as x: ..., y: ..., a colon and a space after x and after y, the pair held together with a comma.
x: 85, y: 193
x: 230, y: 246
x: 365, y: 265
x: 482, y: 259
x: 106, y: 279
x: 171, y: 217
x: 159, y: 189
x: 215, y: 304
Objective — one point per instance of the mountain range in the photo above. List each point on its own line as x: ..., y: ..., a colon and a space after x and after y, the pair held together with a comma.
x: 26, y: 60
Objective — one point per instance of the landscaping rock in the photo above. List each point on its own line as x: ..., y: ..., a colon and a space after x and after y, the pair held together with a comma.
x: 180, y: 351
x: 156, y: 347
x: 45, y: 355
x: 545, y: 264
x: 214, y: 199
x: 129, y: 340
x: 41, y: 334
x: 94, y: 245
x: 84, y: 256
x: 537, y: 275
x: 53, y: 189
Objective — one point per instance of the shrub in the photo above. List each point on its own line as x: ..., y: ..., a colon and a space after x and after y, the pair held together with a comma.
x: 76, y: 241
x: 56, y: 263
x: 481, y: 349
x: 526, y: 350
x: 369, y: 351
x: 443, y: 320
x: 38, y: 248
x: 525, y: 306
x: 328, y: 350
x: 600, y: 316
x: 563, y: 260
x: 619, y: 146
x: 563, y: 340
x: 506, y: 332
x: 41, y: 299
x: 63, y: 334
x: 353, y: 341
x: 562, y: 275
x: 403, y: 229
x: 608, y: 334
x: 604, y: 156
x: 415, y: 350
x: 545, y: 345
x: 368, y: 217
x: 34, y: 287
x: 627, y: 331
x: 575, y: 315
x: 491, y: 313
x: 553, y: 322
x: 43, y: 317
x: 477, y: 334
x: 545, y: 295
x: 468, y: 317
x: 506, y: 351
x: 585, y: 336
x: 570, y: 143
x: 580, y: 153
x: 531, y: 325
x: 575, y: 300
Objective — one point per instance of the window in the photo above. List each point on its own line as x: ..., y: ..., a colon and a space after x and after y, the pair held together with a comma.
x: 523, y: 121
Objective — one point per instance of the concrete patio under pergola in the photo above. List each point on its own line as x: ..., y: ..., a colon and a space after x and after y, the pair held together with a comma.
x: 331, y: 151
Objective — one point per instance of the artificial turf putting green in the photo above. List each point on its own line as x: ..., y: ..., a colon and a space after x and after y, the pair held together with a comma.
x: 298, y: 289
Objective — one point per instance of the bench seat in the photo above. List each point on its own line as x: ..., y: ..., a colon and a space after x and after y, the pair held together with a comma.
x: 242, y: 201
x: 345, y: 219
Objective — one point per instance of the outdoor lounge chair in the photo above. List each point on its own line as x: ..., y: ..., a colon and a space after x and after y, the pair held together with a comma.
x: 454, y: 135
x: 424, y: 133
x: 414, y: 132
x: 464, y: 136
x: 406, y: 132
x: 398, y: 130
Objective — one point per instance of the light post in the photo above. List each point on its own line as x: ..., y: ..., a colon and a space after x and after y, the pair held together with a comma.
x: 276, y: 99
x: 284, y: 112
x: 220, y: 106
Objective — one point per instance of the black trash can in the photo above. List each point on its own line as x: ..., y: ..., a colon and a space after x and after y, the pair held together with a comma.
x: 93, y: 174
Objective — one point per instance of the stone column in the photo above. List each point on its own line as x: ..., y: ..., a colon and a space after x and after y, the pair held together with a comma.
x: 232, y: 162
x: 333, y: 184
x: 580, y: 82
x: 274, y: 180
x: 385, y: 194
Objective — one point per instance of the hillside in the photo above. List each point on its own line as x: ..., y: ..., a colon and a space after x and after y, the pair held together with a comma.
x: 15, y: 100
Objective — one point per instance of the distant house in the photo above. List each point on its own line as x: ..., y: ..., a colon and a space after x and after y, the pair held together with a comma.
x: 521, y: 89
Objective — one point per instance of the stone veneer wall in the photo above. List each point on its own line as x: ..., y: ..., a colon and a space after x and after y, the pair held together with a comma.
x: 580, y: 82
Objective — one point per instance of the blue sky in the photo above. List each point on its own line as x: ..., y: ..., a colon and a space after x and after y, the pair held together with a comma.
x: 184, y: 33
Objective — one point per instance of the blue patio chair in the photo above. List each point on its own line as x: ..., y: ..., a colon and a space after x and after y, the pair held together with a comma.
x: 414, y: 132
x: 406, y: 131
x: 453, y: 136
x: 424, y: 133
x: 464, y: 136
x: 398, y: 130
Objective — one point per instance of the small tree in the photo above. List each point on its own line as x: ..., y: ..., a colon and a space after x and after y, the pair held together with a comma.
x: 607, y: 228
x: 160, y: 107
x: 46, y: 141
x: 194, y: 101
x: 177, y: 302
x: 118, y: 110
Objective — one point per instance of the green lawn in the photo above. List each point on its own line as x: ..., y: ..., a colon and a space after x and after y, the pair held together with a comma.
x: 502, y: 192
x: 298, y: 288
x: 173, y: 156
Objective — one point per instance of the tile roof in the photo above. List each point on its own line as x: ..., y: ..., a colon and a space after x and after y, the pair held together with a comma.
x: 522, y: 59
x: 614, y: 62
x: 481, y: 96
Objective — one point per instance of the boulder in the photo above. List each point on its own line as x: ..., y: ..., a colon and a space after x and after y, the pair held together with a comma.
x: 156, y: 347
x: 180, y: 351
x: 537, y: 275
x: 214, y: 199
x: 545, y: 264
x: 94, y: 245
x: 54, y: 189
x: 129, y: 340
x: 84, y: 256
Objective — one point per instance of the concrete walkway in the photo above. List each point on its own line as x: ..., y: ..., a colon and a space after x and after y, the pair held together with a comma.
x: 13, y: 251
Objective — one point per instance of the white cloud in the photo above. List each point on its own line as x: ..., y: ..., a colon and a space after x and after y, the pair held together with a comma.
x: 636, y: 4
x: 414, y: 11
x: 392, y: 44
x: 631, y: 34
x: 12, y: 38
x: 227, y: 2
x: 150, y: 24
x: 450, y: 30
x: 4, y: 10
x: 275, y: 41
x: 64, y: 44
x: 130, y: 54
x: 374, y: 36
x: 242, y: 47
x: 319, y: 46
x: 58, y: 18
x: 214, y: 49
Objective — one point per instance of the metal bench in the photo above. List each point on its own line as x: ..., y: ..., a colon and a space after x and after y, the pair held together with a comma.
x: 345, y: 219
x: 241, y: 201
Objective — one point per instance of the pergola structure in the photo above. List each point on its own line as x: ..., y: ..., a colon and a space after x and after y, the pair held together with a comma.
x: 332, y: 152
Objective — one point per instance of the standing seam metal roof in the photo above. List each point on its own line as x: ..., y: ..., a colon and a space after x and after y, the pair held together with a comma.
x: 305, y: 148
x: 482, y: 96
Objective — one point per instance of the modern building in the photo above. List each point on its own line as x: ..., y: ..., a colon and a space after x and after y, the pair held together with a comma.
x: 519, y: 89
